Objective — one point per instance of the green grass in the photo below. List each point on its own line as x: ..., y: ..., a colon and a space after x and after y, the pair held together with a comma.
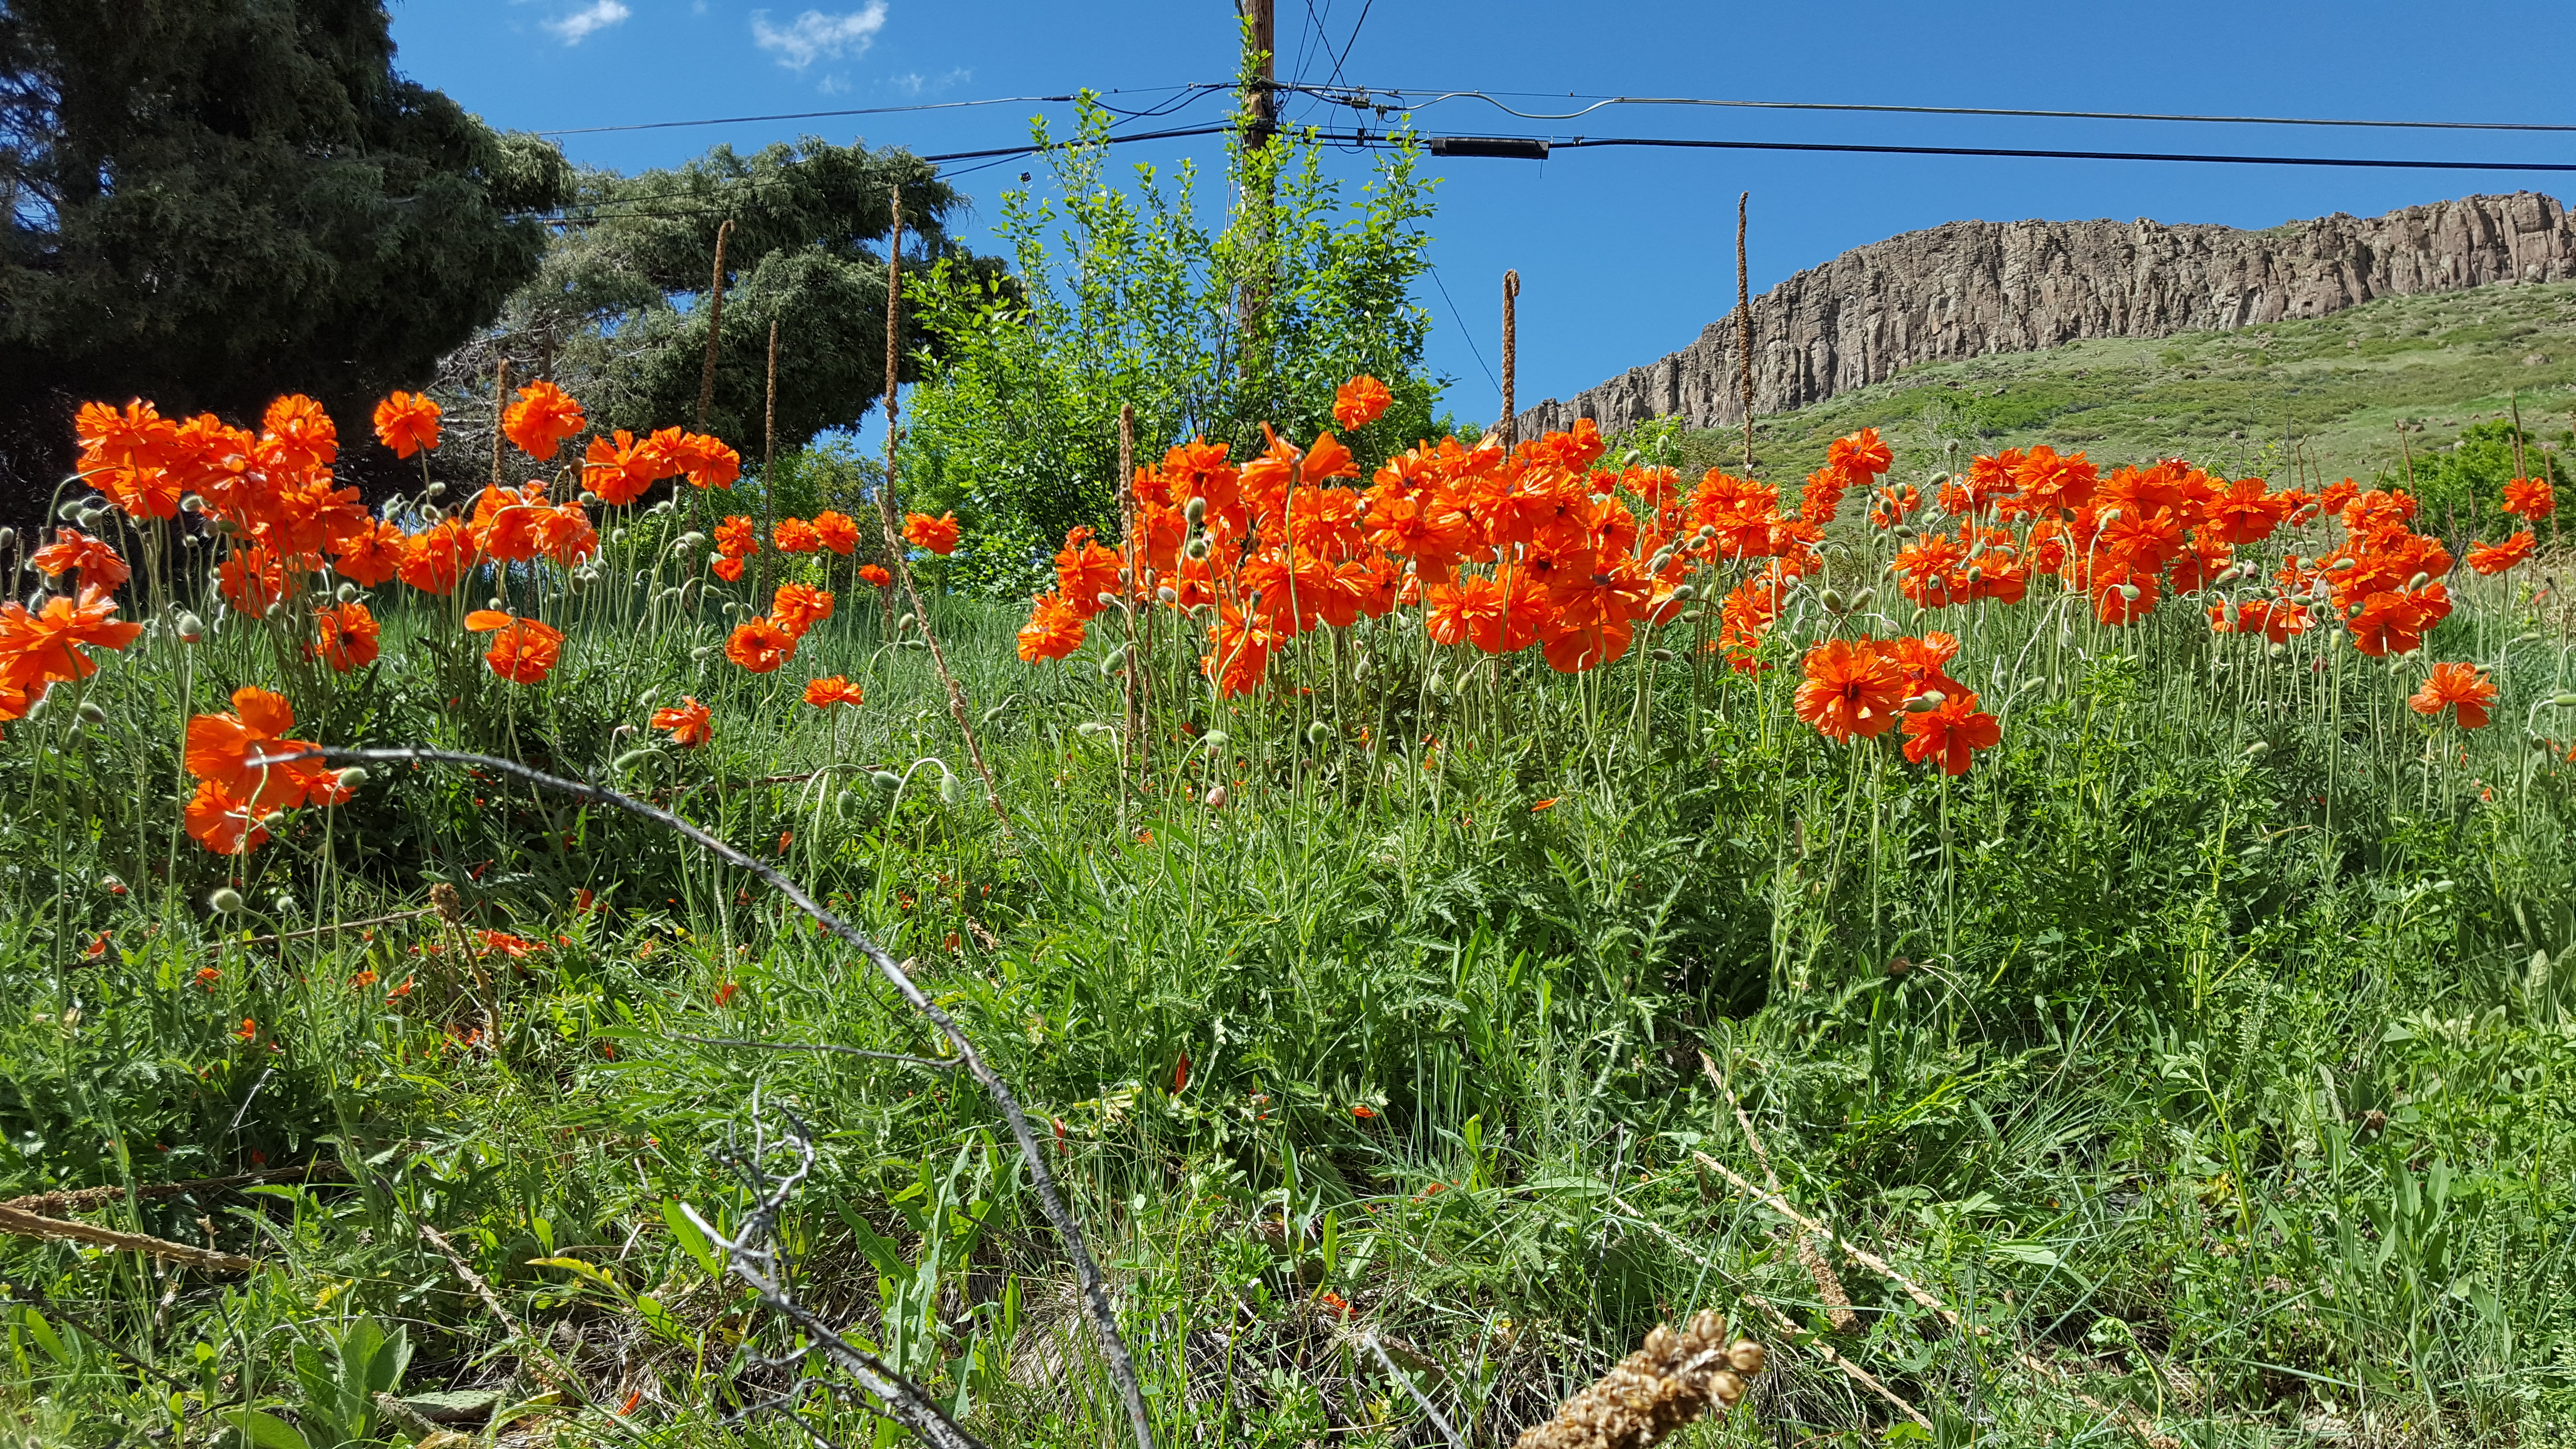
x: 2235, y: 1084
x: 2327, y: 394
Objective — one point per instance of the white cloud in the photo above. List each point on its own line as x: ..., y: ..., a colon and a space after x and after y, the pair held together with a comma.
x: 913, y: 83
x: 580, y: 24
x: 832, y: 85
x: 816, y: 36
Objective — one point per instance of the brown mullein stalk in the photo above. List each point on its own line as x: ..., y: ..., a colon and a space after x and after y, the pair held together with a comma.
x: 1838, y: 1309
x: 1662, y: 1386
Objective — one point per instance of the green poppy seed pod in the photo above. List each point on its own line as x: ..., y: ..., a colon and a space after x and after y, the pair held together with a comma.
x: 886, y: 780
x: 1831, y: 599
x: 225, y: 901
x: 1319, y: 733
x: 1195, y: 511
x: 844, y: 801
x: 188, y: 626
x: 2129, y: 592
x: 1217, y: 797
x: 951, y: 789
x: 1216, y: 740
x: 352, y: 777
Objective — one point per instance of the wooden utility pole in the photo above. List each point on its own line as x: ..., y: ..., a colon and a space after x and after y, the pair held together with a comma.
x: 1511, y: 424
x: 769, y: 467
x: 1744, y: 329
x: 1261, y: 122
x: 1261, y: 101
x: 715, y: 325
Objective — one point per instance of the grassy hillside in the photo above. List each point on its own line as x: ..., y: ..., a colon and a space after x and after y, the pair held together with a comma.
x: 2332, y: 392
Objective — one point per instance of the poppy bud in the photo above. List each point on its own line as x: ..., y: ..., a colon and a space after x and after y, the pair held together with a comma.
x: 1126, y: 576
x: 1195, y: 511
x: 1436, y: 682
x: 886, y: 780
x: 630, y: 760
x: 1253, y: 599
x: 1928, y: 699
x: 90, y: 712
x: 1107, y: 600
x: 1831, y: 599
x: 1936, y: 480
x: 111, y: 885
x: 689, y: 543
x: 273, y: 611
x: 1862, y: 599
x: 225, y: 901
x: 1319, y: 733
x: 2129, y: 592
x: 1113, y: 662
x: 1660, y: 562
x: 497, y: 604
x: 345, y: 592
x: 1198, y: 548
x: 994, y: 713
x: 1903, y: 530
x: 588, y: 498
x: 1660, y: 656
x: 2110, y: 516
x: 2417, y: 582
x: 192, y: 504
x: 1363, y: 669
x: 352, y: 777
x: 1165, y: 596
x: 436, y: 490
x: 2275, y: 651
x: 2562, y: 701
x: 71, y: 508
x: 2341, y: 564
x: 1216, y: 798
x: 1685, y: 593
x: 1091, y: 729
x: 2258, y: 749
x: 189, y: 627
x: 951, y: 789
x: 904, y: 625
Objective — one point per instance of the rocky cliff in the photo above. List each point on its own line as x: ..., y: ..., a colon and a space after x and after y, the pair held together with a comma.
x: 1974, y: 287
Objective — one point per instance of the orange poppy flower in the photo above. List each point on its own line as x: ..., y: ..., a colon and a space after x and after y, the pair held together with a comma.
x: 541, y: 419
x: 247, y: 1030
x: 524, y: 651
x: 1084, y: 570
x: 830, y: 690
x: 1849, y: 690
x: 760, y: 646
x: 2465, y: 689
x: 795, y: 535
x: 799, y: 607
x: 47, y: 645
x: 1360, y: 402
x: 2530, y: 498
x: 347, y: 636
x: 368, y: 556
x: 94, y: 559
x: 1951, y: 732
x: 874, y: 576
x: 2393, y: 622
x: 435, y: 559
x: 687, y: 721
x: 728, y: 569
x: 407, y: 423
x: 1054, y: 630
x: 836, y: 531
x: 737, y: 537
x: 939, y: 535
x: 2495, y: 558
x: 219, y: 748
x: 223, y: 824
x: 707, y: 462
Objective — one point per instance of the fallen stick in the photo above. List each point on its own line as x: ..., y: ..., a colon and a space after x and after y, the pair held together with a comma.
x: 33, y: 1225
x: 1853, y: 1371
x: 82, y: 1199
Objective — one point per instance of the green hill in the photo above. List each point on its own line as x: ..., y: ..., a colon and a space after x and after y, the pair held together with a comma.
x: 2332, y: 393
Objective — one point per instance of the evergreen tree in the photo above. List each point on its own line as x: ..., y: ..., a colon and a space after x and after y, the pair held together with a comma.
x: 621, y: 304
x: 214, y: 201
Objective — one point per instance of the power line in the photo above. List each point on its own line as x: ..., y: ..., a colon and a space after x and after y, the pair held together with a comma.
x: 1464, y: 330
x: 2056, y: 155
x: 1361, y: 96
x: 869, y: 111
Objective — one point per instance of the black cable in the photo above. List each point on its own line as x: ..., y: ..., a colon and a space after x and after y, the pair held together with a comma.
x: 1349, y: 95
x: 1461, y: 320
x: 864, y: 111
x: 1356, y: 26
x: 2051, y: 155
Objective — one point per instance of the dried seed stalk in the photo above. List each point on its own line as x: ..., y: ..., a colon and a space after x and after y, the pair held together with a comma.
x: 1650, y: 1393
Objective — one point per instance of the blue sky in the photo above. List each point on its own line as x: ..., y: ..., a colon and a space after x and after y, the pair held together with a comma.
x: 1624, y: 254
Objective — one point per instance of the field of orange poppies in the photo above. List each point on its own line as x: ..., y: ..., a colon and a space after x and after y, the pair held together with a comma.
x: 2053, y: 948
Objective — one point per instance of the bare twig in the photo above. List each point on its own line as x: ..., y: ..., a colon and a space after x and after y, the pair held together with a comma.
x: 751, y: 1258
x: 1828, y: 1287
x: 1447, y: 1430
x: 1824, y: 1350
x: 1095, y: 1289
x: 534, y: 1355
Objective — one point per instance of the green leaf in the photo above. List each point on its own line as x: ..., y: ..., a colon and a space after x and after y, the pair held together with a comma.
x: 691, y: 1241
x: 267, y: 1430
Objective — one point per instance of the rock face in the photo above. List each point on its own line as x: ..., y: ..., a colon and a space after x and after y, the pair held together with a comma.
x: 1975, y: 287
